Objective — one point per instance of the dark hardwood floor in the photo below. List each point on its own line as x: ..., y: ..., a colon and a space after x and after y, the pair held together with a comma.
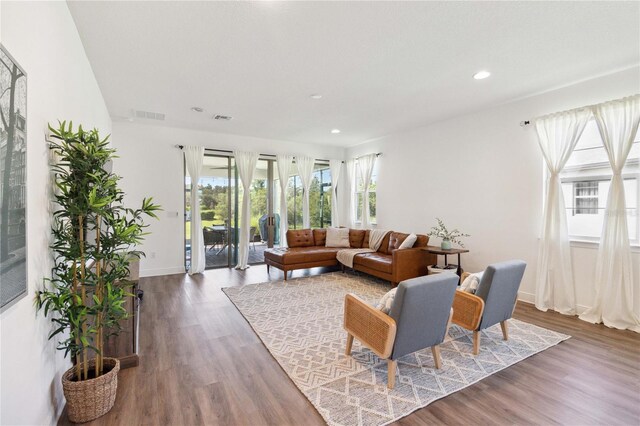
x: 200, y: 363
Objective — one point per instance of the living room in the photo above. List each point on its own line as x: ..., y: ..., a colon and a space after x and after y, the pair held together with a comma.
x: 334, y: 82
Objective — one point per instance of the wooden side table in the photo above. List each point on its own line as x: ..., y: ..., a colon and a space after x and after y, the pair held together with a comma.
x: 442, y: 252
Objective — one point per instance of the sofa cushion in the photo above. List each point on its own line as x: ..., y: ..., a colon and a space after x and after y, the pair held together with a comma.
x: 408, y: 242
x: 300, y: 238
x: 356, y: 237
x: 384, y: 246
x: 337, y: 237
x: 470, y: 284
x: 421, y: 241
x: 395, y: 240
x: 387, y: 301
x: 376, y: 261
x: 365, y: 239
x: 293, y: 256
x: 319, y: 236
x: 276, y: 254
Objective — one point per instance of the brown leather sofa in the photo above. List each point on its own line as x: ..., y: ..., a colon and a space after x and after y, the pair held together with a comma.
x: 307, y: 250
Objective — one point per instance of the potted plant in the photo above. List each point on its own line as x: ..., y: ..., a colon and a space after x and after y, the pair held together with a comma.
x: 93, y: 236
x: 447, y: 236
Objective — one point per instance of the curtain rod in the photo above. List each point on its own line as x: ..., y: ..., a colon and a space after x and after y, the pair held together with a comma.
x: 526, y: 123
x: 226, y: 151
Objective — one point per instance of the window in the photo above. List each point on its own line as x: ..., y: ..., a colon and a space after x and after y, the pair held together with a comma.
x: 586, y: 179
x: 320, y: 198
x: 585, y: 197
x: 372, y: 196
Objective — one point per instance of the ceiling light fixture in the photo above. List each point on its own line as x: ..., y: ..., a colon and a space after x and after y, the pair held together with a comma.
x: 335, y: 131
x: 197, y: 109
x: 316, y: 96
x: 481, y: 75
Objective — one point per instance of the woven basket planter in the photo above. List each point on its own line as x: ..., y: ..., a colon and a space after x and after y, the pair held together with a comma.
x: 90, y: 399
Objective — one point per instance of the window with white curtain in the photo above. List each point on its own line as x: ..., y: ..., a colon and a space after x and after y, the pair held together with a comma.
x: 585, y: 183
x: 359, y: 196
x: 320, y: 198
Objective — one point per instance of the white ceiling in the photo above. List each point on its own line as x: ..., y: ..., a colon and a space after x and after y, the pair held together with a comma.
x: 382, y: 67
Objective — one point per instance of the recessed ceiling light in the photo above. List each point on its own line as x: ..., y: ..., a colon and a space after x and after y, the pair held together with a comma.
x: 197, y: 109
x: 316, y: 96
x: 335, y: 131
x: 480, y: 75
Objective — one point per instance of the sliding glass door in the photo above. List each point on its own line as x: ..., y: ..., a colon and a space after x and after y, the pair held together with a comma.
x: 217, y: 207
x: 220, y: 209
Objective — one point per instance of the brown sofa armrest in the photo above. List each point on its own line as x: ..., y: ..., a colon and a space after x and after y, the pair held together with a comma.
x: 467, y: 310
x: 375, y: 329
x: 410, y: 263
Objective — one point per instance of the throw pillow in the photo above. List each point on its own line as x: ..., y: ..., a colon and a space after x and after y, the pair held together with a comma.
x: 408, y: 242
x: 386, y: 302
x: 337, y: 237
x: 470, y: 284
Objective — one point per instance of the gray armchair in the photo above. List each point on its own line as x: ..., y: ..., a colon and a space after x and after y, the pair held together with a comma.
x: 419, y: 318
x: 493, y: 302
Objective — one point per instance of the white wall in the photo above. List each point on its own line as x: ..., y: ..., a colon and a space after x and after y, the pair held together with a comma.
x: 151, y: 166
x: 483, y: 174
x: 42, y: 37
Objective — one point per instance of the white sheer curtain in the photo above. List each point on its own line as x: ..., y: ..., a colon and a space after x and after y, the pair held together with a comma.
x: 616, y: 289
x: 365, y: 167
x: 194, y: 156
x: 284, y: 167
x: 305, y: 171
x: 335, y: 166
x: 555, y: 288
x: 246, y: 165
x: 351, y: 186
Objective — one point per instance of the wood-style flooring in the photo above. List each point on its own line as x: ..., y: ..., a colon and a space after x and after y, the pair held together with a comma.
x: 200, y: 363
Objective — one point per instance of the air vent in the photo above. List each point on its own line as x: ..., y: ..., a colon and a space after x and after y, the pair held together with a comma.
x: 222, y: 117
x: 148, y: 115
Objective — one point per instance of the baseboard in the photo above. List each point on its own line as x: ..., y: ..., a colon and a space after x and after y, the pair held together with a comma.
x: 526, y: 297
x: 531, y: 298
x: 162, y: 271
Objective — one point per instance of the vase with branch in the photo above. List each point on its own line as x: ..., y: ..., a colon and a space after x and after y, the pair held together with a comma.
x: 94, y: 240
x: 447, y: 236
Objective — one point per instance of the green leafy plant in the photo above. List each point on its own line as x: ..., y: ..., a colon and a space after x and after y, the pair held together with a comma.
x: 94, y: 239
x: 441, y: 231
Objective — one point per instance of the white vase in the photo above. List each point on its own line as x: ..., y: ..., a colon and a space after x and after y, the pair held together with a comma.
x: 445, y: 244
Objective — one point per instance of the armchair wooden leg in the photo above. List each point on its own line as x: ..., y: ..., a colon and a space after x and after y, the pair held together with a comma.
x: 505, y: 330
x: 349, y: 344
x: 267, y: 268
x: 285, y: 274
x: 435, y: 351
x: 476, y: 342
x: 391, y: 373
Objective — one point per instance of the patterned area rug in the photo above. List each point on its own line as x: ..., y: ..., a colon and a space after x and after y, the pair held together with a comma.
x: 300, y: 323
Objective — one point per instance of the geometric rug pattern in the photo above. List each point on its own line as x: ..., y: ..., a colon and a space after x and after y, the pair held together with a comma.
x: 300, y: 323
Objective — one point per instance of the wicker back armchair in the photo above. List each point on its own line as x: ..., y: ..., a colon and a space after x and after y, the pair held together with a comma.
x: 419, y: 318
x: 494, y: 300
